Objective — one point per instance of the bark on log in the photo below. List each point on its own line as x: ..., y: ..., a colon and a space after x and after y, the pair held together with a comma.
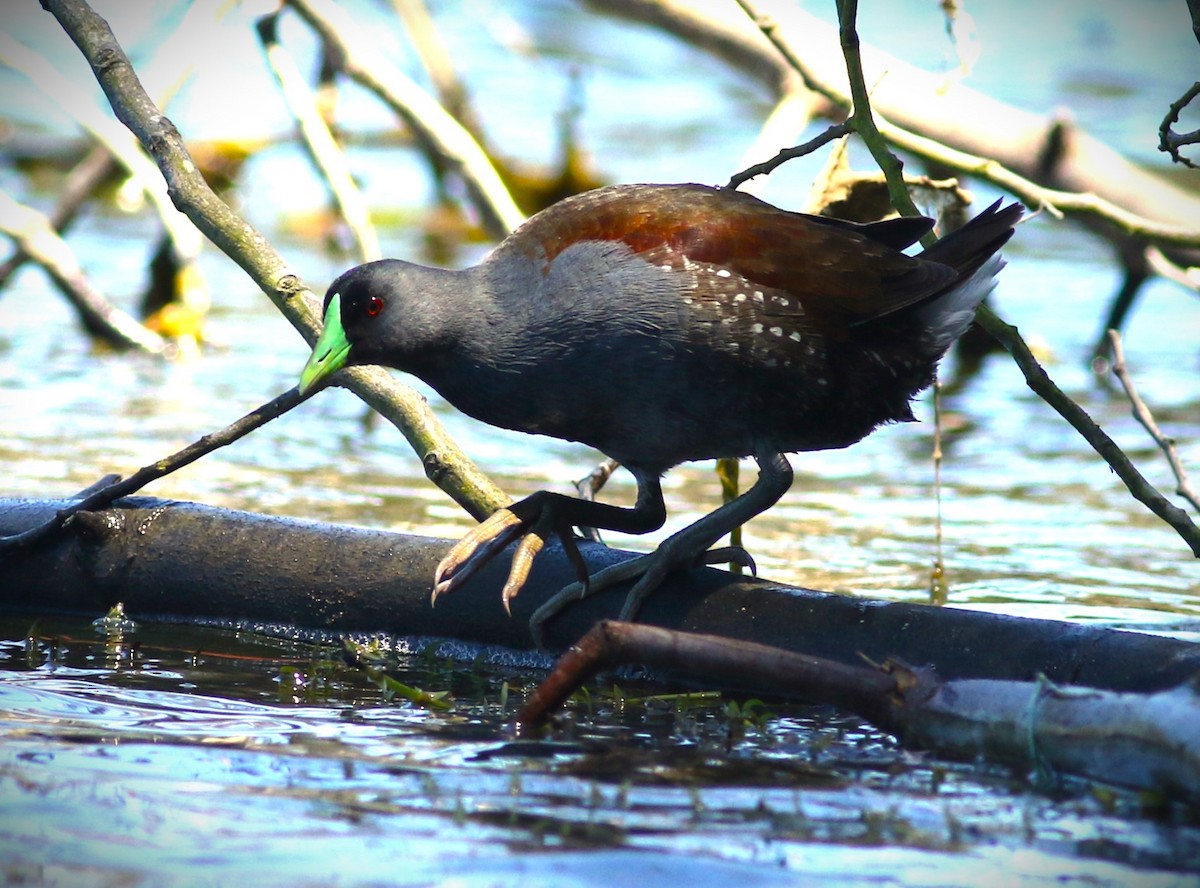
x: 185, y: 560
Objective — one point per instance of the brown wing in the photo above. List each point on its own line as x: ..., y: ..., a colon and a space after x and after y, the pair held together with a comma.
x: 839, y: 275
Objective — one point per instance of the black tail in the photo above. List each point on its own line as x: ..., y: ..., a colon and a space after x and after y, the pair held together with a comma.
x: 966, y: 249
x: 973, y: 251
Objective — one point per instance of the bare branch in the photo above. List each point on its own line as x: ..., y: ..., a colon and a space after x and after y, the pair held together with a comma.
x: 837, y: 131
x: 80, y: 183
x: 104, y: 493
x: 36, y: 238
x: 75, y: 102
x: 445, y: 464
x: 1143, y: 415
x: 1171, y: 141
x: 1038, y: 380
x: 1147, y: 741
x: 1101, y: 185
x: 441, y: 136
x: 323, y: 150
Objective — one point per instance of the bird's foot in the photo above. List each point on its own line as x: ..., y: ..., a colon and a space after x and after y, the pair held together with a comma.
x: 650, y: 570
x: 532, y: 520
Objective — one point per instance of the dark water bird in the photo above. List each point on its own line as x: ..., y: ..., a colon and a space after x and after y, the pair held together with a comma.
x: 661, y: 324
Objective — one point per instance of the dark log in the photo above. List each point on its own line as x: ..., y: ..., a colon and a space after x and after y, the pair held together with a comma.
x: 183, y: 560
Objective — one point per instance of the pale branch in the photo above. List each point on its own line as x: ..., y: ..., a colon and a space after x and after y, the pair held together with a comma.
x: 79, y: 185
x: 442, y: 138
x: 107, y: 491
x: 36, y: 239
x: 717, y: 34
x: 445, y: 464
x: 436, y: 59
x: 1142, y: 414
x: 1177, y: 274
x: 72, y: 99
x: 323, y: 150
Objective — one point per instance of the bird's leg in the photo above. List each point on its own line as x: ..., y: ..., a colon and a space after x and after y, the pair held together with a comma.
x: 532, y: 520
x: 686, y: 548
x: 588, y: 487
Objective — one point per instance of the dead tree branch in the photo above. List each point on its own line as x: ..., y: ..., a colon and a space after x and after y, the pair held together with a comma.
x: 103, y: 494
x: 444, y: 463
x: 1143, y: 741
x: 1142, y: 414
x: 36, y: 239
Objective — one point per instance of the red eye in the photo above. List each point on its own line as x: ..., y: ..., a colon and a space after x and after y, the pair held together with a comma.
x: 374, y: 306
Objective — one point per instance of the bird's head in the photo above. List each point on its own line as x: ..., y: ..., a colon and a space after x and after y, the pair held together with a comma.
x: 387, y: 312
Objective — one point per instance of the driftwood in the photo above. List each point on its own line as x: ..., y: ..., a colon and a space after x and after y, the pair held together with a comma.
x: 980, y: 685
x: 1143, y: 741
x: 169, y: 559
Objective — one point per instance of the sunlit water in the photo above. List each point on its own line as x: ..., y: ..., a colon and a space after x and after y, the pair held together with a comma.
x: 178, y: 756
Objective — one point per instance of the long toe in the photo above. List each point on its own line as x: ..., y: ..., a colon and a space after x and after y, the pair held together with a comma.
x: 474, y: 550
x: 522, y: 561
x: 611, y: 576
x: 729, y: 555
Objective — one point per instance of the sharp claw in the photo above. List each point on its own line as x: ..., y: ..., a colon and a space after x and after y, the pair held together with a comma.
x: 470, y: 553
x: 729, y: 555
x: 522, y: 560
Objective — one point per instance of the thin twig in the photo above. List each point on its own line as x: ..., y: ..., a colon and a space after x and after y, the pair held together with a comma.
x: 101, y: 497
x: 1142, y: 414
x: 1171, y: 141
x: 1038, y: 380
x: 836, y: 131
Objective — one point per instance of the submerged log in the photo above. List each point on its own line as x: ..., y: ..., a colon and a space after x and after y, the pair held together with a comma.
x: 166, y: 559
x: 1143, y: 741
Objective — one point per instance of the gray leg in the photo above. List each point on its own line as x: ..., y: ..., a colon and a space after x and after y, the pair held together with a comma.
x: 684, y: 548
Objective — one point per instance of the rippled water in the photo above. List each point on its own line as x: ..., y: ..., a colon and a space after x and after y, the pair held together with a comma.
x: 177, y: 755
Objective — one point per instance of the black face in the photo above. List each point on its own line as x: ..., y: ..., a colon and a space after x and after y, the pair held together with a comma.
x: 394, y: 313
x: 363, y: 306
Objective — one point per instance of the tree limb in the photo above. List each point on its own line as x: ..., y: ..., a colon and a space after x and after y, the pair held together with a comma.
x: 444, y: 463
x: 36, y: 239
x: 441, y: 136
x: 327, y: 157
x: 1142, y: 414
x: 1143, y: 741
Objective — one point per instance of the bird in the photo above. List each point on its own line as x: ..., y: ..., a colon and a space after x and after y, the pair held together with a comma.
x: 661, y: 324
